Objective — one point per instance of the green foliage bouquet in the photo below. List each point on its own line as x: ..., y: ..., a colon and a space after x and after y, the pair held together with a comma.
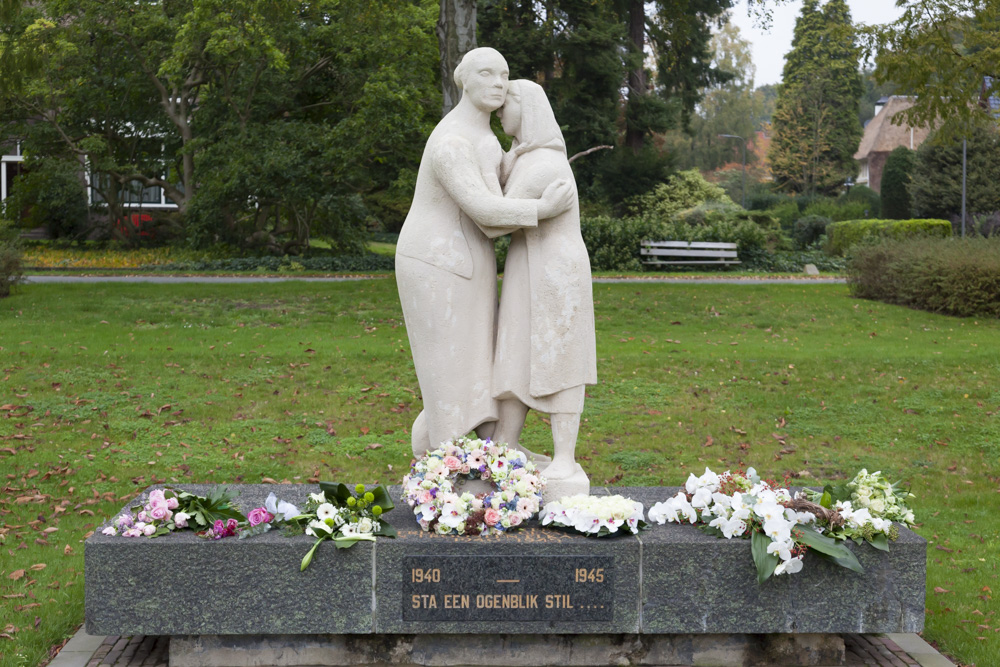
x: 345, y: 517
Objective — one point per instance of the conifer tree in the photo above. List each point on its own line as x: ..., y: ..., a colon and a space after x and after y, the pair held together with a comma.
x: 816, y: 127
x: 895, y: 190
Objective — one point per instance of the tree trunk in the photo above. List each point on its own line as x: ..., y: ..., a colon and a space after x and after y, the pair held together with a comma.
x: 456, y: 31
x: 634, y: 136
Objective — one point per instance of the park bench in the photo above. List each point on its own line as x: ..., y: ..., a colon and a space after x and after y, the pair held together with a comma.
x: 657, y: 253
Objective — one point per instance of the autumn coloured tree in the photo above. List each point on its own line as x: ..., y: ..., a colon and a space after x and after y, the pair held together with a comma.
x: 815, y: 123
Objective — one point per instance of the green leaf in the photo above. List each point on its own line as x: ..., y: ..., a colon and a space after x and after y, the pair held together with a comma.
x: 826, y: 500
x: 382, y: 498
x: 880, y: 542
x: 386, y: 529
x: 346, y: 542
x: 826, y: 546
x: 336, y: 492
x: 309, y: 555
x: 764, y: 561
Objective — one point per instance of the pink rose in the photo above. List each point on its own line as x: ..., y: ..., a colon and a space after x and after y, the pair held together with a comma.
x: 172, y: 503
x: 465, y: 469
x: 157, y: 495
x: 149, y: 530
x: 486, y: 474
x: 515, y: 519
x: 143, y: 517
x: 153, y: 504
x: 259, y: 516
x: 425, y: 497
x: 231, y: 526
x: 492, y: 517
x: 159, y: 513
x: 452, y: 463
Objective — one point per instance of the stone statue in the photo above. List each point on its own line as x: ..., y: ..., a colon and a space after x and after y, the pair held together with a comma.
x: 546, y: 347
x: 445, y: 262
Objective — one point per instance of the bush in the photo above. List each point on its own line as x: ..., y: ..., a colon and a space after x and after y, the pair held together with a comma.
x: 936, y: 180
x: 952, y: 276
x: 795, y: 262
x: 844, y: 235
x: 808, y: 230
x: 49, y: 193
x: 683, y: 190
x: 335, y: 264
x: 896, y: 204
x: 841, y: 209
x: 863, y: 193
x: 11, y: 261
x: 786, y: 214
x: 613, y: 243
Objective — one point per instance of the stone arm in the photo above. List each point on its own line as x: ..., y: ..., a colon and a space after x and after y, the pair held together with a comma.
x: 528, y: 181
x: 457, y: 170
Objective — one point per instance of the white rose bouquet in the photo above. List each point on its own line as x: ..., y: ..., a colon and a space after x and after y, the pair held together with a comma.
x: 595, y: 516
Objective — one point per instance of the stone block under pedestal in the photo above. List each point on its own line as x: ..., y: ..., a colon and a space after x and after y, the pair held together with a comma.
x: 474, y: 650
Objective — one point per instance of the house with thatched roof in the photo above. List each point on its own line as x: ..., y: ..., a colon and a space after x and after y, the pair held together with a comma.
x: 882, y: 136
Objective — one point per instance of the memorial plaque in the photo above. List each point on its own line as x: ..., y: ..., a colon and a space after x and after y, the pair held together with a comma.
x: 508, y: 588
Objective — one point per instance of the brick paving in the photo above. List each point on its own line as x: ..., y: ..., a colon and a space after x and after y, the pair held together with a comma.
x: 140, y: 651
x: 137, y: 651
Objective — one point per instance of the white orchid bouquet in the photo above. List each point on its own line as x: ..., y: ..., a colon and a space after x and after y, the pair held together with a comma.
x: 343, y: 516
x: 595, y: 516
x: 781, y: 528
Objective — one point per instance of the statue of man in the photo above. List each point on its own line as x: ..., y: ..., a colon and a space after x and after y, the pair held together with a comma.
x: 445, y: 262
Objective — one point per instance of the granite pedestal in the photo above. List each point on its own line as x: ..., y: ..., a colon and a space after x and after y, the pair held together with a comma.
x: 671, y: 595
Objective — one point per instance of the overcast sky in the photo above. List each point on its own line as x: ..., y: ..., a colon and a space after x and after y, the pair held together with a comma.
x: 770, y: 47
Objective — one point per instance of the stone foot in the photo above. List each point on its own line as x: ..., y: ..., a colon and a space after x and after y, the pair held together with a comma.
x: 559, y: 485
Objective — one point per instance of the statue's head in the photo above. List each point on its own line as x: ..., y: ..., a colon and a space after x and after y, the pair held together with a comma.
x: 482, y: 78
x: 527, y: 115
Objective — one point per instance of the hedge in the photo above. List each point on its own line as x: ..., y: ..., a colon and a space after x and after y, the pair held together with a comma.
x: 951, y: 276
x: 844, y: 235
x: 335, y: 264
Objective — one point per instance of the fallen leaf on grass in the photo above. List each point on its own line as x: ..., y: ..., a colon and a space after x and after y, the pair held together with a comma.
x: 939, y: 590
x: 38, y: 566
x: 268, y: 480
x: 16, y: 574
x: 25, y: 607
x: 374, y: 445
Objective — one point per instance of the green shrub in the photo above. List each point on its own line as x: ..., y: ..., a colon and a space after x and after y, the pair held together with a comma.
x: 809, y: 229
x: 952, y: 276
x: 896, y: 204
x: 613, y: 243
x: 786, y: 214
x: 841, y: 209
x: 794, y: 262
x: 844, y: 235
x: 683, y: 190
x: 863, y: 193
x: 49, y: 193
x: 11, y: 263
x: 332, y: 264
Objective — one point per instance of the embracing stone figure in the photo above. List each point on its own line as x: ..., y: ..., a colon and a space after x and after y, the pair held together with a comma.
x: 546, y: 347
x: 445, y: 262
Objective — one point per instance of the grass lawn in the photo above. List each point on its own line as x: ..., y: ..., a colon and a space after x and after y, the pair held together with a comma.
x: 107, y: 388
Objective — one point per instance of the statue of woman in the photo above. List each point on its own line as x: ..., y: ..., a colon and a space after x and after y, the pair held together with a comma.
x: 546, y: 346
x: 445, y: 262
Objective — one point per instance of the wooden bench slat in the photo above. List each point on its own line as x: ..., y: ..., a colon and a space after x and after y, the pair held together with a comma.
x: 691, y: 244
x: 688, y: 253
x: 657, y: 262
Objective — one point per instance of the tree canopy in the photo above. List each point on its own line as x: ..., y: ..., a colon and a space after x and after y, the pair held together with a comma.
x: 264, y: 122
x: 815, y: 122
x: 945, y: 52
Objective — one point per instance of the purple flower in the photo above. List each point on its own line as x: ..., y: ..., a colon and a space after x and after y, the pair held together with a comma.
x: 218, y: 528
x: 231, y: 526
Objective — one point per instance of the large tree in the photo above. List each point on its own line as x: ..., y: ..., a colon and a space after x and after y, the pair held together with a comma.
x: 732, y: 106
x: 616, y: 72
x: 944, y: 52
x: 815, y: 122
x: 264, y: 122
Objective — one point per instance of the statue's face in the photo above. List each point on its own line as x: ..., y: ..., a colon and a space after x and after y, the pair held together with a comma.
x: 485, y: 83
x: 510, y: 116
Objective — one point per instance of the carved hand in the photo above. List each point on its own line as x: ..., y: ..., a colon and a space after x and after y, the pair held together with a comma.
x: 558, y: 197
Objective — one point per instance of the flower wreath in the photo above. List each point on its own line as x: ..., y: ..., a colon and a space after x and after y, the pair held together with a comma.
x: 430, y: 488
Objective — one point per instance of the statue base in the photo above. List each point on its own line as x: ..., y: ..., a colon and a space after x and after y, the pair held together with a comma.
x: 576, y: 484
